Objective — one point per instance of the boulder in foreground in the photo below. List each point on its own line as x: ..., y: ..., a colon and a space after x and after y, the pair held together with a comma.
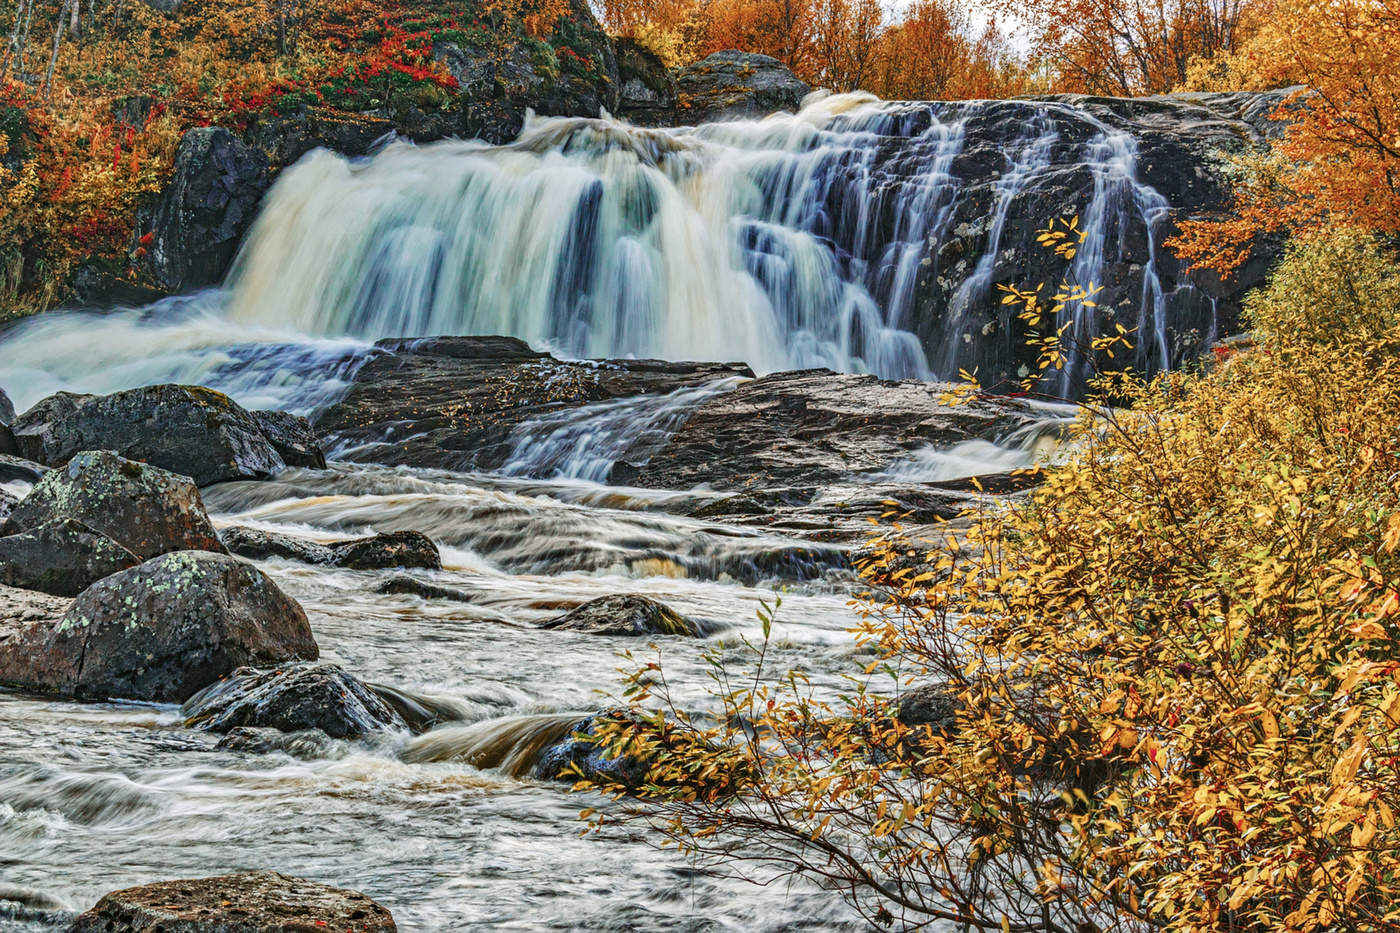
x: 197, y: 432
x: 291, y: 699
x: 246, y: 902
x: 145, y: 509
x: 159, y: 632
x: 62, y: 557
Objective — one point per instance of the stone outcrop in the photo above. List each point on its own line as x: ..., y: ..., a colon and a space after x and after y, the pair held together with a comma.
x: 451, y: 402
x: 191, y: 430
x: 646, y: 87
x: 291, y: 699
x: 205, y: 209
x: 734, y: 85
x: 158, y: 632
x: 246, y: 902
x: 143, y: 509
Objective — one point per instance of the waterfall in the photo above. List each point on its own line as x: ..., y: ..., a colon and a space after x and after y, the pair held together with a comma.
x: 802, y: 240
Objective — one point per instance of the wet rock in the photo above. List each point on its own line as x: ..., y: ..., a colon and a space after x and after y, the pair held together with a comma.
x: 205, y: 209
x: 580, y: 755
x: 646, y: 87
x: 292, y: 437
x: 733, y: 85
x: 404, y: 585
x: 624, y: 615
x: 246, y: 902
x: 191, y: 430
x: 309, y: 744
x: 146, y: 510
x: 7, y: 408
x: 62, y: 557
x: 382, y: 552
x: 292, y: 699
x: 14, y: 468
x: 451, y: 402
x: 816, y: 428
x: 159, y: 632
x: 408, y: 549
x: 931, y: 705
x: 256, y: 544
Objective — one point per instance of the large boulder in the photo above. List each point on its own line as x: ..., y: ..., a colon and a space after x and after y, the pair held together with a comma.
x: 144, y: 509
x: 733, y: 85
x: 62, y: 557
x: 398, y: 549
x: 205, y: 209
x: 292, y: 698
x: 14, y: 468
x: 246, y: 902
x: 188, y: 429
x: 160, y: 632
x: 624, y: 615
x: 292, y: 437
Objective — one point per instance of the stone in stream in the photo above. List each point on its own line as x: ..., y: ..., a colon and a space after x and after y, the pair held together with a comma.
x: 734, y: 85
x: 624, y: 615
x: 292, y: 698
x: 198, y: 432
x: 452, y: 402
x: 62, y: 557
x: 245, y: 902
x: 292, y: 437
x: 145, y: 509
x: 408, y: 549
x: 404, y: 585
x: 579, y: 755
x: 159, y: 632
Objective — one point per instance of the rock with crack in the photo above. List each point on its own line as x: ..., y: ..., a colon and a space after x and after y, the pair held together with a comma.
x: 624, y: 615
x: 158, y: 632
x: 145, y: 509
x: 246, y: 902
x: 292, y: 698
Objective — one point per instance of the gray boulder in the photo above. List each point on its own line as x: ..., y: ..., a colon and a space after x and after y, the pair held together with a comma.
x: 205, y: 209
x: 733, y: 85
x: 63, y: 557
x: 146, y: 510
x: 188, y: 429
x: 292, y: 437
x: 14, y: 468
x: 159, y: 632
x: 291, y: 699
x: 246, y: 902
x: 624, y: 615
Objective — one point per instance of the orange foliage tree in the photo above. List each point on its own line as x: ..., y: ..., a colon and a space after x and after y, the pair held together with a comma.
x: 1338, y: 162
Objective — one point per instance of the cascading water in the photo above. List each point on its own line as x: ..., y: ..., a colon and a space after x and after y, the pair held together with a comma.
x: 798, y: 241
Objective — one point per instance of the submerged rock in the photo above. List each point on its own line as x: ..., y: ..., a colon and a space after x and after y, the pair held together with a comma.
x: 733, y: 85
x: 624, y: 615
x: 145, y: 509
x: 62, y: 557
x: 292, y: 699
x: 408, y: 549
x: 292, y: 437
x: 194, y: 431
x: 404, y: 585
x: 246, y: 902
x: 160, y: 632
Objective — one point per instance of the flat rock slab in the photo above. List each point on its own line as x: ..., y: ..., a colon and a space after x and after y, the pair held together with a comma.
x: 246, y: 902
x: 451, y: 402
